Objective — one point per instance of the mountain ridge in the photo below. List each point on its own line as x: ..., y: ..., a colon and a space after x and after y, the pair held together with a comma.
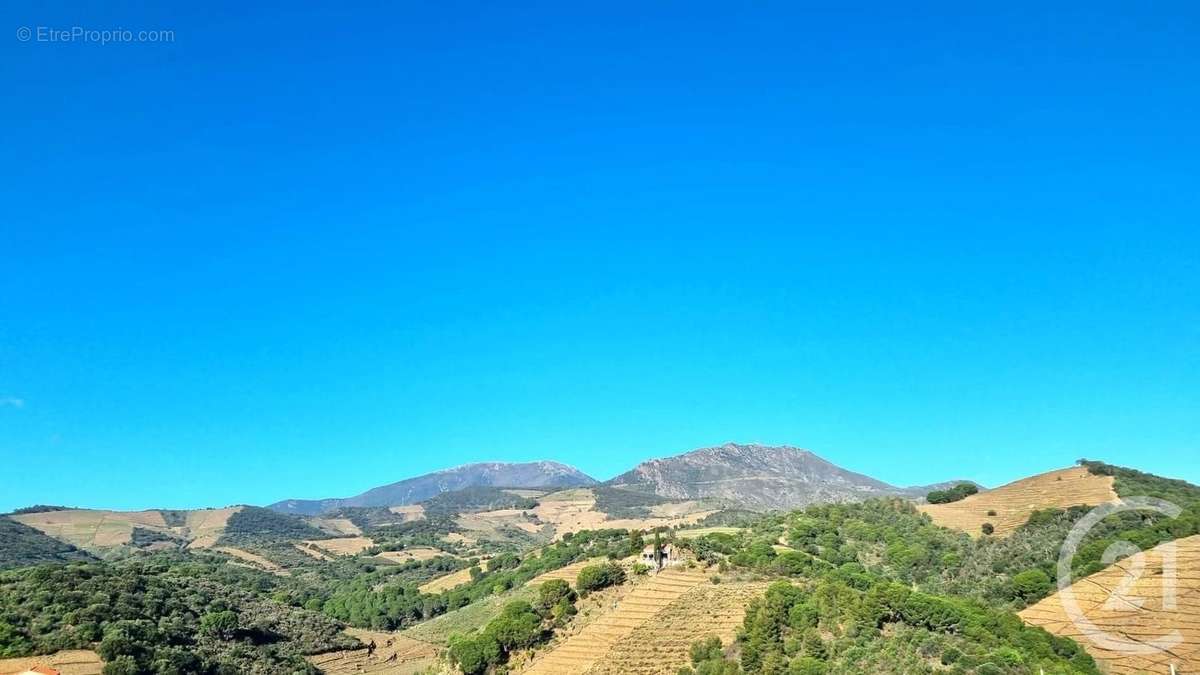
x: 758, y: 477
x: 539, y: 474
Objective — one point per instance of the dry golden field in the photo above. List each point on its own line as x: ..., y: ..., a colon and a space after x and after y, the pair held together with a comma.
x: 415, y: 553
x: 90, y: 529
x: 313, y: 551
x: 660, y: 646
x: 446, y: 581
x: 574, y: 510
x: 395, y: 654
x: 701, y: 531
x: 411, y: 512
x: 343, y: 545
x: 205, y: 526
x: 68, y: 662
x: 93, y: 529
x: 491, y: 523
x: 1013, y: 503
x: 336, y: 526
x: 594, y: 643
x: 1127, y: 601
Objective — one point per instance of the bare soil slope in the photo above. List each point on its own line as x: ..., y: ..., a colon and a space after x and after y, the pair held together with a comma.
x: 68, y: 662
x: 446, y: 581
x: 342, y: 545
x: 1127, y: 601
x: 394, y: 654
x: 1013, y: 503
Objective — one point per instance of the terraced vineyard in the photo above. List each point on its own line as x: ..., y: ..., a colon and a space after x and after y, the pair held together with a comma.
x: 1012, y: 504
x: 567, y: 573
x: 1127, y: 601
x: 660, y: 646
x: 394, y: 654
x: 594, y: 644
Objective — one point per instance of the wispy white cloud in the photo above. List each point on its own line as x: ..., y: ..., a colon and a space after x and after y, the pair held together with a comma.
x: 11, y: 402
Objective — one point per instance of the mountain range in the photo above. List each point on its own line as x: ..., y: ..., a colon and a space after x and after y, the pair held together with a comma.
x: 420, y: 488
x: 754, y: 477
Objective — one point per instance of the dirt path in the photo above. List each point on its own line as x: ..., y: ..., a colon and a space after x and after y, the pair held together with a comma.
x: 394, y: 654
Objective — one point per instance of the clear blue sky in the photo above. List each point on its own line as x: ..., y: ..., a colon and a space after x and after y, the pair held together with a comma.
x: 303, y: 251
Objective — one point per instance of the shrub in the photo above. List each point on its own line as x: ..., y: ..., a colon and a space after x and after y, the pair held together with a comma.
x: 550, y: 593
x: 806, y: 665
x: 988, y: 528
x: 220, y: 624
x: 1031, y: 584
x: 954, y: 494
x: 473, y: 655
x: 595, y: 577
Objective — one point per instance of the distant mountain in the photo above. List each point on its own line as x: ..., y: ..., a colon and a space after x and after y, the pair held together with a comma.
x: 413, y: 490
x: 757, y: 477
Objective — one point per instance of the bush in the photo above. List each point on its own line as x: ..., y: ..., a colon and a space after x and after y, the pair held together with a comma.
x: 551, y: 593
x: 517, y: 627
x: 473, y: 656
x: 595, y: 577
x: 1031, y: 585
x: 988, y: 528
x: 220, y: 624
x: 954, y: 494
x: 806, y: 665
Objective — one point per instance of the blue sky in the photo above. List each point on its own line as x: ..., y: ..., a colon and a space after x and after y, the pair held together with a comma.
x: 303, y: 251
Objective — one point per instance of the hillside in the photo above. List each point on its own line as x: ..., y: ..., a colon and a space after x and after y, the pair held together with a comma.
x: 593, y: 644
x: 1008, y: 507
x: 22, y: 545
x: 101, y: 530
x: 1129, y: 603
x: 756, y: 477
x: 421, y: 488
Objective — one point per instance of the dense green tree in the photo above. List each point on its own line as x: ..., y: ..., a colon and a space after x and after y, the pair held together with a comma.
x: 595, y: 577
x: 1031, y: 585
